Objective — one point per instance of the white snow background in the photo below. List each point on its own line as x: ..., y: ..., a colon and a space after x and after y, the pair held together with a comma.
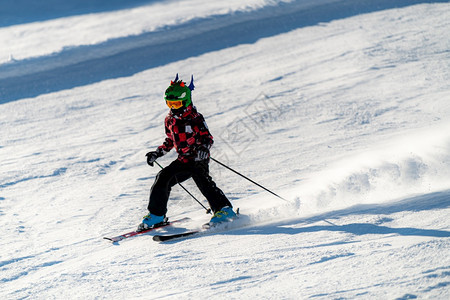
x: 341, y: 107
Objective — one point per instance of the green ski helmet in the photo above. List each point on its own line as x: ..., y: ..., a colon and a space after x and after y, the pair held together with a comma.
x: 178, y: 95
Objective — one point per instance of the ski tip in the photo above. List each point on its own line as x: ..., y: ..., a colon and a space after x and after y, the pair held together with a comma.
x: 112, y: 240
x: 157, y: 238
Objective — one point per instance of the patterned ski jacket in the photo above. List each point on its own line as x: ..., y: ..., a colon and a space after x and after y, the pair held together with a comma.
x: 186, y: 132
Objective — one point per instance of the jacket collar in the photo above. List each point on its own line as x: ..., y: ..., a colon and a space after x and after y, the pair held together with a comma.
x: 182, y: 113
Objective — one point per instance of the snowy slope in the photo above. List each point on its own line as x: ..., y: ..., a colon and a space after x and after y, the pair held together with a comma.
x: 342, y: 107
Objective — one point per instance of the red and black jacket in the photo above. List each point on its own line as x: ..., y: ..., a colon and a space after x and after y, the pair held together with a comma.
x: 187, y: 132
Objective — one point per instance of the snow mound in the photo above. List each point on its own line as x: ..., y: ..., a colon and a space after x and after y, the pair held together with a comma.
x: 401, y: 168
x: 417, y: 164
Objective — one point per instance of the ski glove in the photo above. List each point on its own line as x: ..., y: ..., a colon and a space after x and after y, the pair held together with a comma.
x: 152, y: 156
x: 202, y: 153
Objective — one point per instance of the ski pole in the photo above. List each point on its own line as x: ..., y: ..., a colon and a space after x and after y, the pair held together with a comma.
x: 224, y: 165
x: 208, y: 210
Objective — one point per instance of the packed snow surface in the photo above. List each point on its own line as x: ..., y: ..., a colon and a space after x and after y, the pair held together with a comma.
x: 341, y: 107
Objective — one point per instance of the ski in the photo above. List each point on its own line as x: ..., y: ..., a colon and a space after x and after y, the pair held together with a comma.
x: 168, y: 237
x: 206, y: 228
x: 134, y: 233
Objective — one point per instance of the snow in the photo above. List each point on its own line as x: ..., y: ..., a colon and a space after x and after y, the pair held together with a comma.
x: 341, y: 107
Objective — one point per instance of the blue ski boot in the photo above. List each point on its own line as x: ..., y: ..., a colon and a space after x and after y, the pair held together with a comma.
x: 226, y: 214
x: 149, y: 221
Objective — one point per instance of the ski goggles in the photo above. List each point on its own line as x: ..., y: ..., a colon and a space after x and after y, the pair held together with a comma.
x: 176, y: 104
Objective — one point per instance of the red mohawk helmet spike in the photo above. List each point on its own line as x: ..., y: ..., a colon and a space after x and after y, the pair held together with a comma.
x: 182, y: 84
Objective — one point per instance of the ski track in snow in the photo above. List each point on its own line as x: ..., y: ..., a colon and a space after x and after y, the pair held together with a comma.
x: 339, y: 106
x: 146, y: 45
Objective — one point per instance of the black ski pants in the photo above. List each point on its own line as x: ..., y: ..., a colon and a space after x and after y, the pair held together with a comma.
x: 178, y: 172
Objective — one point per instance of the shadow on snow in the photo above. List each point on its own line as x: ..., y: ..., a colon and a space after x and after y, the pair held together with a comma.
x: 78, y: 66
x: 432, y: 201
x: 28, y: 11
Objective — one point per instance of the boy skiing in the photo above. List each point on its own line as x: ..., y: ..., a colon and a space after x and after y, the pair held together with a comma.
x: 187, y: 132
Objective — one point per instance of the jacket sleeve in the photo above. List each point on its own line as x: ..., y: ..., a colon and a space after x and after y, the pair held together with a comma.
x: 203, y: 136
x: 168, y: 142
